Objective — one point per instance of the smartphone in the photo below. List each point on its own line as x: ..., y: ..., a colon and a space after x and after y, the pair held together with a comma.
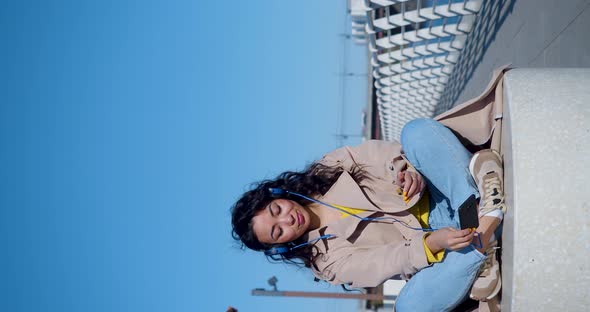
x: 468, y: 214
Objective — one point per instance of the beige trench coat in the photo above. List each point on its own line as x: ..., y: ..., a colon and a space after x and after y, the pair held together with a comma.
x: 366, y: 254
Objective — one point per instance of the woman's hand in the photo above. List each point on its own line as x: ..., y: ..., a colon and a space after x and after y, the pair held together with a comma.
x: 410, y: 182
x: 449, y: 238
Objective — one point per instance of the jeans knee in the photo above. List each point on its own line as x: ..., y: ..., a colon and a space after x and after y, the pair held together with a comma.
x: 415, y: 131
x: 403, y: 303
x: 401, y: 306
x: 407, y: 304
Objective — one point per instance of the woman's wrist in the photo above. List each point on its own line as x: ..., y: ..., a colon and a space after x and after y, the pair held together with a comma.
x: 432, y: 243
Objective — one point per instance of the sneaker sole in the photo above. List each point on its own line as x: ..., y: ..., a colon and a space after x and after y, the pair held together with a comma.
x: 494, y: 293
x: 497, y: 289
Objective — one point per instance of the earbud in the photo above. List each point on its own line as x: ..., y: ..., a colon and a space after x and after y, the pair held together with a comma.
x: 277, y: 250
x: 285, y: 248
x: 276, y: 192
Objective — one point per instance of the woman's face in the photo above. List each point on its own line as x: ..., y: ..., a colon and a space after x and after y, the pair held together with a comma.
x: 281, y: 221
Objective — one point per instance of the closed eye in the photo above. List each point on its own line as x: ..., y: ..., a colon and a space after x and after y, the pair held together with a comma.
x: 279, y: 232
x: 272, y: 229
x: 274, y: 211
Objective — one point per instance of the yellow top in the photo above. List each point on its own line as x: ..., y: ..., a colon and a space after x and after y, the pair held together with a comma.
x: 354, y: 211
x: 420, y: 211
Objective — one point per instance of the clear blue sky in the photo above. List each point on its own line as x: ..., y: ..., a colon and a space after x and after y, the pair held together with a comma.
x: 127, y: 130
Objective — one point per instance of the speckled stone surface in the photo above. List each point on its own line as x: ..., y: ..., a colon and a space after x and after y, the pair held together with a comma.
x: 546, y: 240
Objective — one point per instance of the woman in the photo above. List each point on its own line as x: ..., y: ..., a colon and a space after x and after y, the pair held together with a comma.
x: 373, y: 212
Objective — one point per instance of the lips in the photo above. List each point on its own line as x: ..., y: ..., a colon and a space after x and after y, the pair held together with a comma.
x: 300, y: 219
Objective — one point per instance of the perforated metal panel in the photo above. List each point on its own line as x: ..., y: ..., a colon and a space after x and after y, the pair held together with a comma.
x: 414, y: 46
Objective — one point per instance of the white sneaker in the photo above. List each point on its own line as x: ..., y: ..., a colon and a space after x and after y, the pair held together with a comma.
x: 489, y: 280
x: 488, y: 173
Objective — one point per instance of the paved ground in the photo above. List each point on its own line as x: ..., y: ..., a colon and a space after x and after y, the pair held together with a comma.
x: 525, y: 33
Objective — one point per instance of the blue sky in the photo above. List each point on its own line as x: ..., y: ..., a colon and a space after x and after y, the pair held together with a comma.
x: 127, y: 130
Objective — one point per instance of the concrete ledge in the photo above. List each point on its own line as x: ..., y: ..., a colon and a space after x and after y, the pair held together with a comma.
x: 546, y: 145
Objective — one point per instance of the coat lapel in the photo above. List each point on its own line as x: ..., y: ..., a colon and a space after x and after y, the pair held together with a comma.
x: 346, y: 192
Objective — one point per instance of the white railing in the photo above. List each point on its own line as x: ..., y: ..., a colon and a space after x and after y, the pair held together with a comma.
x: 414, y: 46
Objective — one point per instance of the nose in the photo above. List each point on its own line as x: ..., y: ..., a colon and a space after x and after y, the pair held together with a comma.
x: 288, y: 219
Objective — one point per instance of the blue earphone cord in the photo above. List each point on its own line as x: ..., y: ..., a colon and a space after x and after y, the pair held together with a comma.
x: 354, y: 215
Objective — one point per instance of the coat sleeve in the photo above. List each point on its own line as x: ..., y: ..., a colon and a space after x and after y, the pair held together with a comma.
x: 382, y: 159
x: 372, y: 266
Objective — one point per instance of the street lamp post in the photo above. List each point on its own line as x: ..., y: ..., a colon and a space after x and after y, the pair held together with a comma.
x: 309, y: 294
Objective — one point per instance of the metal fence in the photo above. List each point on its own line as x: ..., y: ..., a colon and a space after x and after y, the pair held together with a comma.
x: 414, y: 47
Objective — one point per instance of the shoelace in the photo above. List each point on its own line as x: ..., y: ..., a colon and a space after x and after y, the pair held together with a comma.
x: 492, y: 184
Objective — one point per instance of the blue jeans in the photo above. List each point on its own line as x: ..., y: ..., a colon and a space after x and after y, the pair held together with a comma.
x: 444, y: 163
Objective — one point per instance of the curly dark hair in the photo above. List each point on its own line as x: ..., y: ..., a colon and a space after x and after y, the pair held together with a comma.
x: 315, y: 179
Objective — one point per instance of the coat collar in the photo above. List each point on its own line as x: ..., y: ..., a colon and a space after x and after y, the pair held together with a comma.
x: 345, y: 227
x: 346, y: 192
